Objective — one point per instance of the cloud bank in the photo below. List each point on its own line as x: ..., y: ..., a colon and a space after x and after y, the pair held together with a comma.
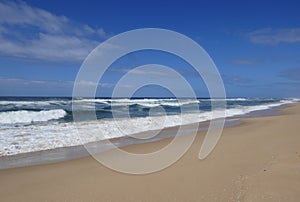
x: 270, y: 36
x: 34, y: 33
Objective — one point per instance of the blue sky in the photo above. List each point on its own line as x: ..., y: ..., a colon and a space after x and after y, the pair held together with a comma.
x: 254, y: 44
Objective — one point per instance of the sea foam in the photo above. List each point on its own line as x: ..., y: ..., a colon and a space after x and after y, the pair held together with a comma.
x: 40, y: 133
x: 25, y: 116
x: 36, y: 137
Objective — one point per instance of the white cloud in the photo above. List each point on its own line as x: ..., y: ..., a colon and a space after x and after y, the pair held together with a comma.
x: 87, y: 84
x: 145, y: 71
x: 102, y: 33
x: 34, y: 33
x: 18, y: 81
x: 244, y: 61
x: 270, y: 36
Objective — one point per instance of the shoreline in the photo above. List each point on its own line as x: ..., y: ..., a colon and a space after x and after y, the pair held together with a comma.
x: 62, y: 154
x: 258, y: 160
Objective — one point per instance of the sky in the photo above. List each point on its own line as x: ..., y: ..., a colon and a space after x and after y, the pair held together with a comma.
x: 254, y: 44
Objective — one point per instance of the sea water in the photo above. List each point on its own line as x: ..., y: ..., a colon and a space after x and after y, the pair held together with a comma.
x: 30, y: 124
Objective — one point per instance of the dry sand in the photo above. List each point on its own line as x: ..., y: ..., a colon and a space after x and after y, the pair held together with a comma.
x: 258, y: 160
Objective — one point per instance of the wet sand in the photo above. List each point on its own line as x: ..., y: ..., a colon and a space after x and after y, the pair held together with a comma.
x: 258, y: 160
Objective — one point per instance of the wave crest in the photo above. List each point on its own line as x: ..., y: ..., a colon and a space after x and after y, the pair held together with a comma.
x: 25, y: 116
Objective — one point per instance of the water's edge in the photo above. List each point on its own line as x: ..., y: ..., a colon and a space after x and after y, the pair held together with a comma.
x: 74, y: 152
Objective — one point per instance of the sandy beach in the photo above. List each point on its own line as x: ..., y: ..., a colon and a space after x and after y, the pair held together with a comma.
x: 258, y: 160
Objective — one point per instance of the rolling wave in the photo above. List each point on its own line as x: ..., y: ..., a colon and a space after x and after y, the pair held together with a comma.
x: 25, y: 116
x: 34, y: 125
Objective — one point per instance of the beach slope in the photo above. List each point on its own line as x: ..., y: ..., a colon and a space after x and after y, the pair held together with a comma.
x: 258, y: 160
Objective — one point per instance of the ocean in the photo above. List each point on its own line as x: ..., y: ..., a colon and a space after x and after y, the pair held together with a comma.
x: 31, y: 124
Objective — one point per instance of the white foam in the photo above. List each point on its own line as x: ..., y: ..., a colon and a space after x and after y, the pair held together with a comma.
x: 142, y: 102
x: 149, y: 105
x: 24, y: 116
x: 35, y: 103
x: 31, y: 138
x: 104, y: 101
x: 226, y: 99
x: 179, y: 103
x: 236, y: 99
